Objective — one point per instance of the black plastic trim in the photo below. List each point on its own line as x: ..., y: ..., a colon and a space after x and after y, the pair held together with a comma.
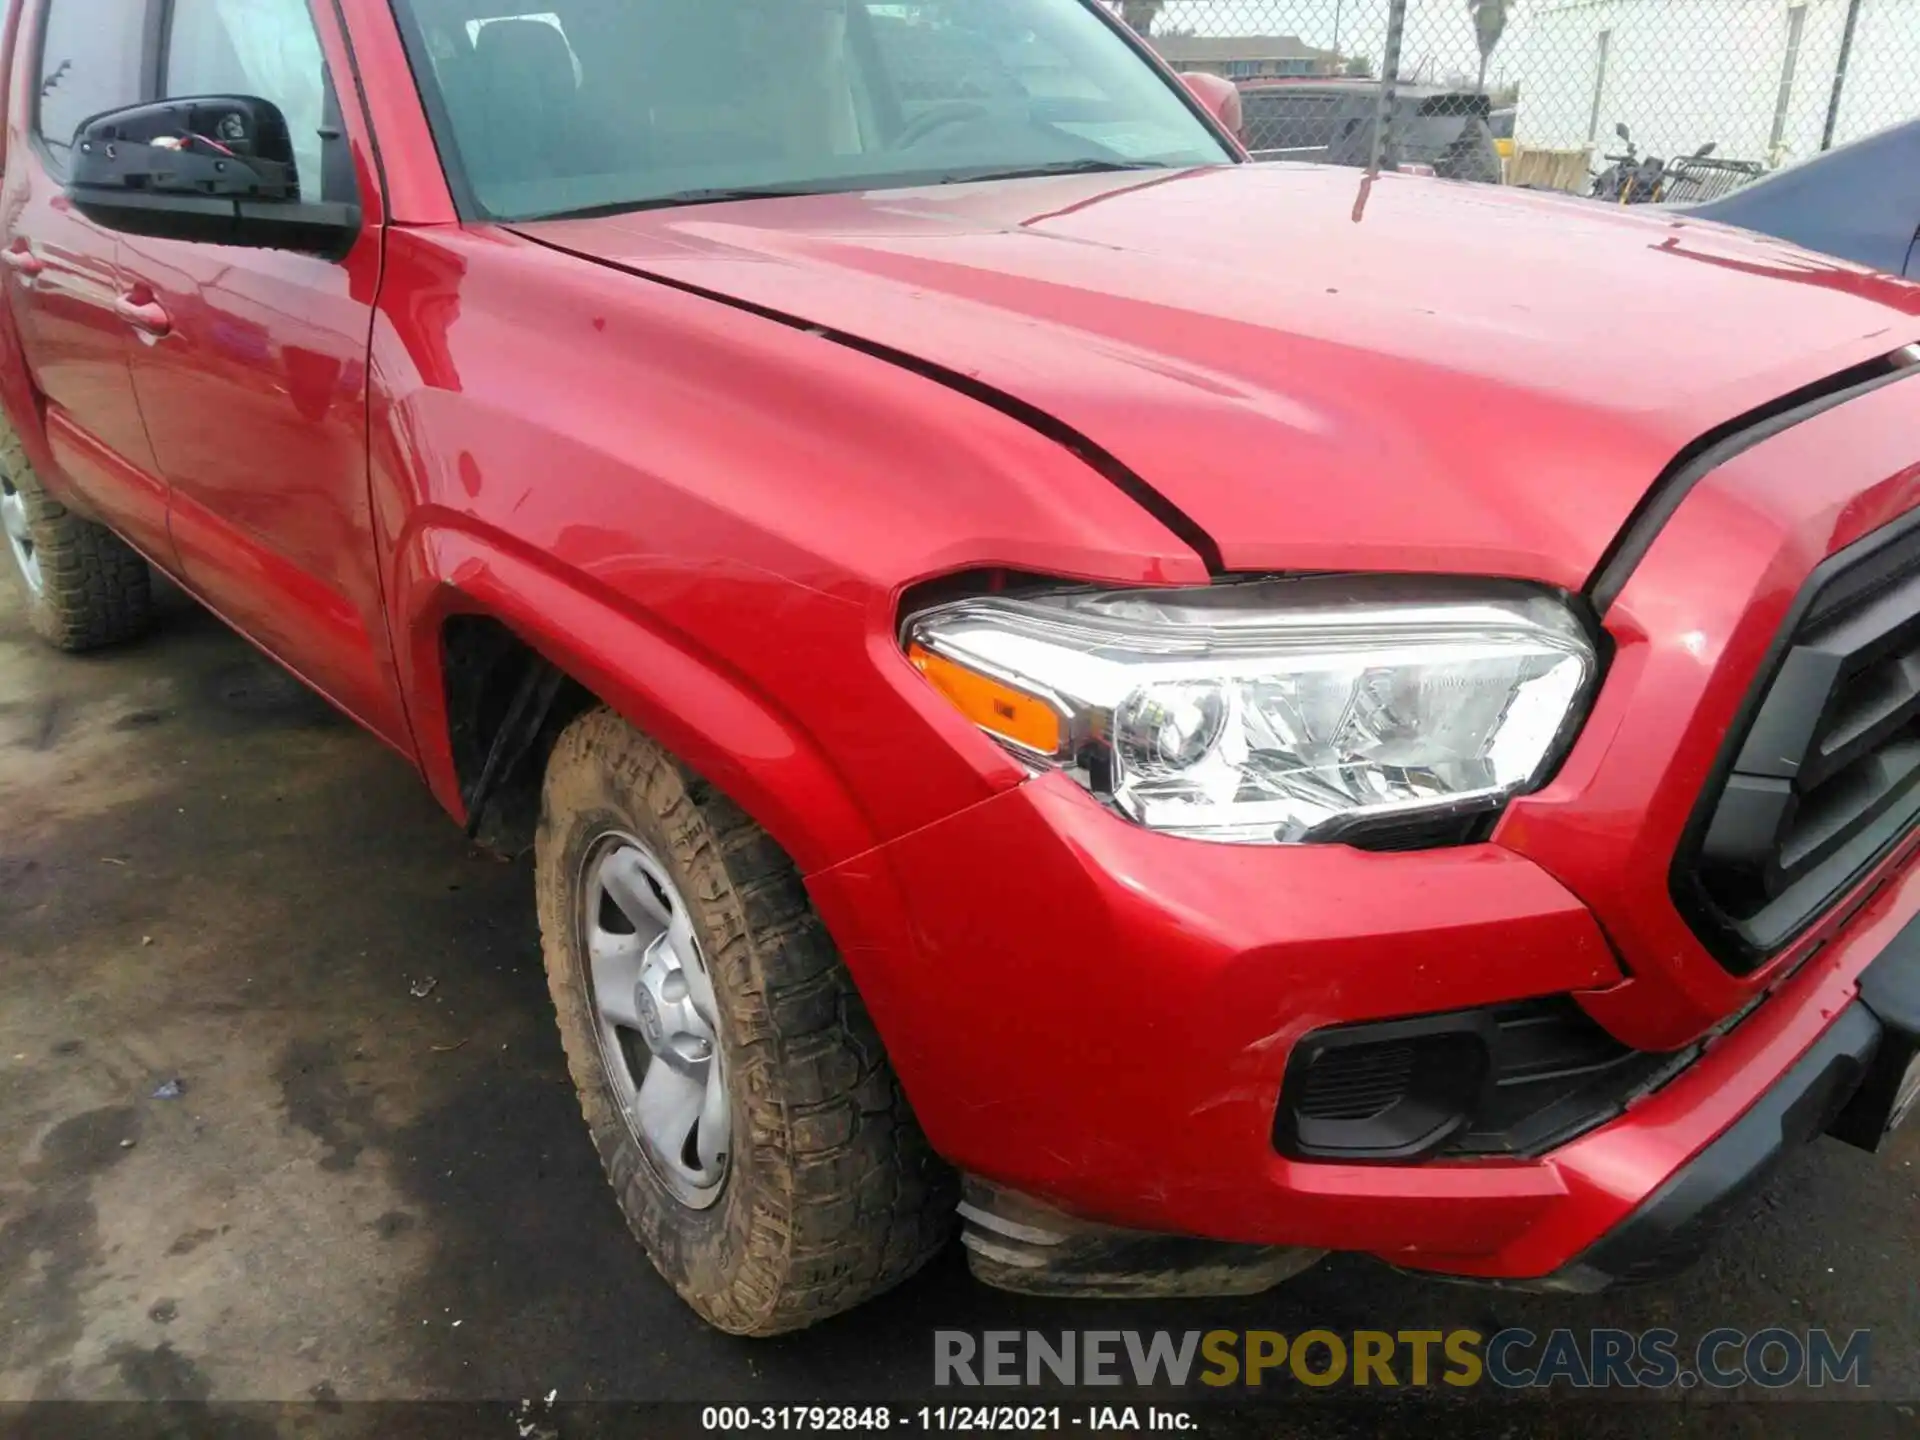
x: 1448, y: 1078
x: 1890, y: 988
x: 321, y: 228
x: 1743, y: 948
x: 1473, y: 824
x: 1676, y: 1225
x: 1514, y: 1080
x: 1844, y: 1085
x: 526, y: 717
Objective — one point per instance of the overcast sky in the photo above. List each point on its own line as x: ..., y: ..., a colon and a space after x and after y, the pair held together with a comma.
x: 1439, y: 32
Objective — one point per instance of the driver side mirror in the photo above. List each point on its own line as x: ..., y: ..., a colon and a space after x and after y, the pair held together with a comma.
x: 1220, y: 96
x: 216, y: 169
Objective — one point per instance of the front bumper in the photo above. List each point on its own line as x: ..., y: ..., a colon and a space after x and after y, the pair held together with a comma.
x: 1101, y: 1018
x: 1857, y: 1082
x: 1118, y: 1052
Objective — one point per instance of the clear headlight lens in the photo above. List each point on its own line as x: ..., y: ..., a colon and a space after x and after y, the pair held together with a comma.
x: 1272, y: 711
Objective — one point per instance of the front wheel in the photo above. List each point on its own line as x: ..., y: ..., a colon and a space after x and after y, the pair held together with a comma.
x: 744, y: 1110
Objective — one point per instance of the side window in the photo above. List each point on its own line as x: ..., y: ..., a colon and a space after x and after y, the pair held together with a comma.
x: 90, y: 60
x: 264, y: 48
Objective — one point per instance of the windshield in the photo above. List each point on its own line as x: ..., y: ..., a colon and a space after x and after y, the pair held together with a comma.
x: 553, y: 107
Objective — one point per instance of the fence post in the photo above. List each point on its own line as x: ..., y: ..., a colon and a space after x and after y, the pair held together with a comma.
x: 1840, y: 74
x: 1389, y: 80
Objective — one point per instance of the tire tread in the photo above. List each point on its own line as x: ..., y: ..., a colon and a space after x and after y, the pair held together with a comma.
x: 845, y: 1198
x: 96, y: 590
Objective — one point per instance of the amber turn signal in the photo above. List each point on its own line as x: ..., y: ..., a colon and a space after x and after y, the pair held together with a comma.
x: 994, y: 706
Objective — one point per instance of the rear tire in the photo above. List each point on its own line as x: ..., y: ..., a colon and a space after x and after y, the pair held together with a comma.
x: 828, y: 1193
x: 83, y: 585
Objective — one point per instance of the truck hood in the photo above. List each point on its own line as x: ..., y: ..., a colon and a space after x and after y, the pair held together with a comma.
x: 1320, y: 373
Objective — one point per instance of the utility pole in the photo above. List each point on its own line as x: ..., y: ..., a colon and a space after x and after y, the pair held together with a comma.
x: 1840, y: 74
x: 1389, y: 79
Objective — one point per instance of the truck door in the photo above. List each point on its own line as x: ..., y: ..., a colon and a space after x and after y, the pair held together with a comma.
x: 255, y: 395
x: 74, y: 311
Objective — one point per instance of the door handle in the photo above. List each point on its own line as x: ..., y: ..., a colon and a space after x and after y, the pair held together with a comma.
x: 22, y: 261
x: 148, y: 316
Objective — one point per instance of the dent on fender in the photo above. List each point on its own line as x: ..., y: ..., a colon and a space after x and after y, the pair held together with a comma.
x: 787, y: 535
x: 730, y: 736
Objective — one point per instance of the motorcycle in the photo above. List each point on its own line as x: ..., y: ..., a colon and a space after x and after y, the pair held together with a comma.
x: 1634, y: 179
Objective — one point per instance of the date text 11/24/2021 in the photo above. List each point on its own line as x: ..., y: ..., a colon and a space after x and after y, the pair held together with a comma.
x: 1038, y: 1419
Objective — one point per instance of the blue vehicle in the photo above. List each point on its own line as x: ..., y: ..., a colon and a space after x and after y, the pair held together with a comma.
x: 1860, y: 202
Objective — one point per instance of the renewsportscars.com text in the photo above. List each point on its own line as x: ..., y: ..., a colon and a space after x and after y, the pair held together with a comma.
x: 1514, y: 1359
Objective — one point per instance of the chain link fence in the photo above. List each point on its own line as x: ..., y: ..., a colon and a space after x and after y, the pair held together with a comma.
x: 1566, y: 94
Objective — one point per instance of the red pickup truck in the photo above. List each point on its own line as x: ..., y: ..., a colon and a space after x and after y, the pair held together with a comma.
x: 1190, y: 714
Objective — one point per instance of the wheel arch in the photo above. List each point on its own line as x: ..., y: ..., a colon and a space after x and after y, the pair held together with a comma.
x: 466, y: 599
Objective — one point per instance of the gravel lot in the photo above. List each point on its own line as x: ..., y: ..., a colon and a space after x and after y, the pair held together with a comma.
x: 373, y: 1183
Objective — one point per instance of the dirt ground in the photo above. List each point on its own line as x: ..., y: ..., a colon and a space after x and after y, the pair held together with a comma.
x: 372, y: 1182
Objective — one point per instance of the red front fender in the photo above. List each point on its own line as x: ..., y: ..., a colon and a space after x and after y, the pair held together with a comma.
x: 731, y: 736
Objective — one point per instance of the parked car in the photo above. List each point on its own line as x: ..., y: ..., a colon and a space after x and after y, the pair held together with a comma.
x: 1198, y: 712
x: 1859, y: 201
x: 1332, y: 121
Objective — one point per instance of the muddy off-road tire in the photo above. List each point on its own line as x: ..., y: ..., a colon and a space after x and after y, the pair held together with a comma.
x: 84, y: 587
x: 674, y: 926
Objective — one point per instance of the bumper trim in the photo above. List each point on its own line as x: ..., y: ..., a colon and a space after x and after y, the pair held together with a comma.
x: 1847, y: 1084
x: 1675, y: 1226
x: 1891, y: 990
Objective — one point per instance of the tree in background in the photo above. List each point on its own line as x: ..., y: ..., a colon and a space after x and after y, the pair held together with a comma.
x: 1141, y: 14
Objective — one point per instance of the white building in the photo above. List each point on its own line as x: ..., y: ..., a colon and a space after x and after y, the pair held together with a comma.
x: 1756, y: 77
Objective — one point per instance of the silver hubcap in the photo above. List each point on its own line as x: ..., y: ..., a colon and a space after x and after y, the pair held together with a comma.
x: 653, y: 999
x: 13, y: 518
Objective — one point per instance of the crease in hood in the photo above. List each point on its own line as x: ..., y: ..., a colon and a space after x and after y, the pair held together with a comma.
x: 1321, y: 372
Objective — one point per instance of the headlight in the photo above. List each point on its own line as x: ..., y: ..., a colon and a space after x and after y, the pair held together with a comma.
x: 1272, y: 711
